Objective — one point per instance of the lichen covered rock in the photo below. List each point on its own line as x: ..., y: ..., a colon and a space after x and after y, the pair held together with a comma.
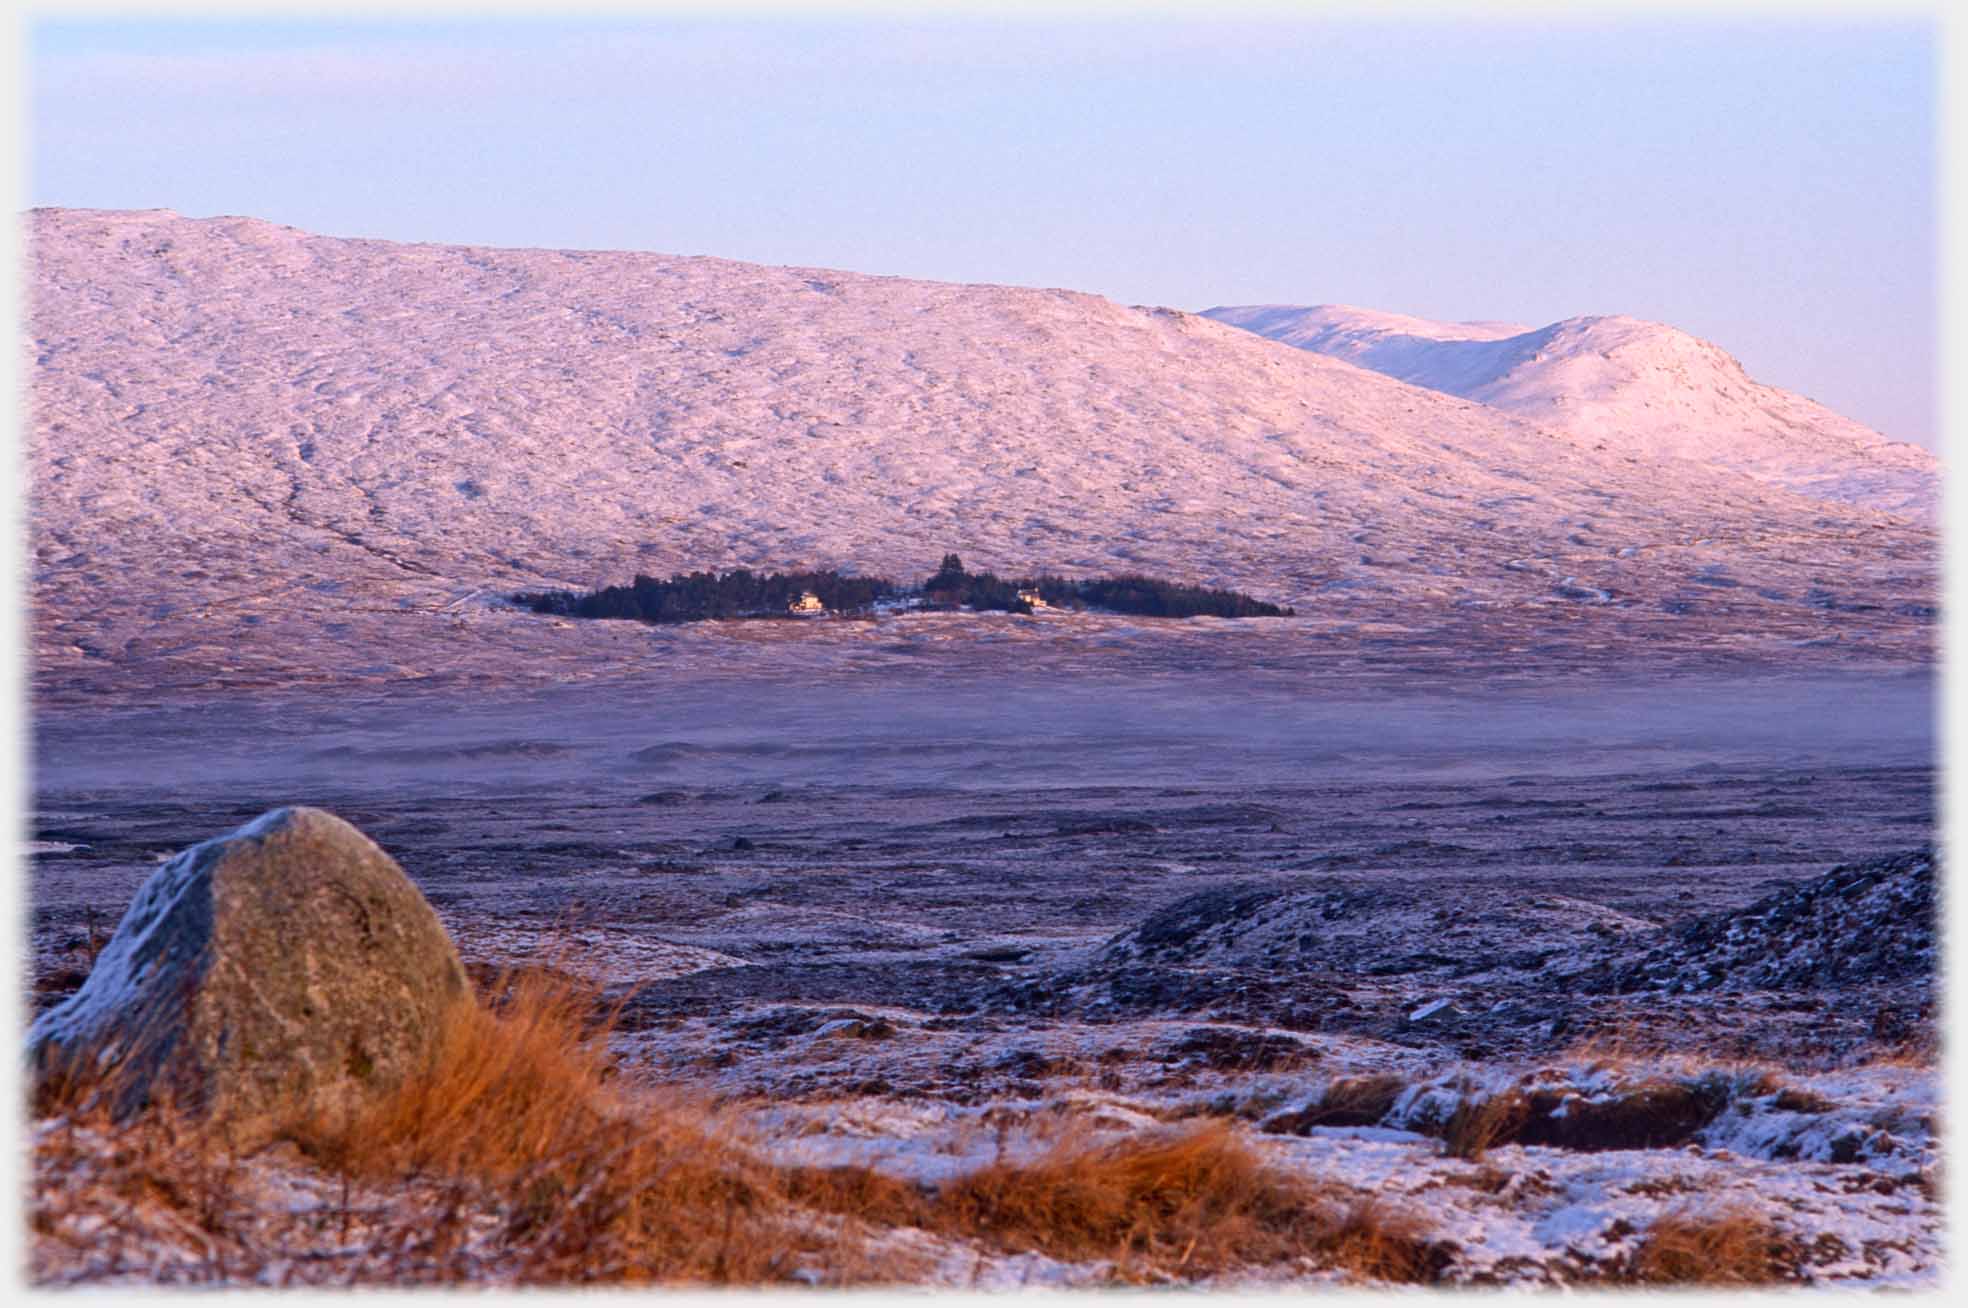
x: 287, y: 968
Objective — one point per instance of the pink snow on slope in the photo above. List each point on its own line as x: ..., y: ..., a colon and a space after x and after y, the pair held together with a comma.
x: 1619, y: 383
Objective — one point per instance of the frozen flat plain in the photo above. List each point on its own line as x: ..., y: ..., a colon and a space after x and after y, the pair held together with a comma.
x: 888, y: 920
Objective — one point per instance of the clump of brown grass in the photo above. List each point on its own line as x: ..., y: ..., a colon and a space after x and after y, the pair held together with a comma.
x: 1375, y: 1242
x: 1649, y: 1115
x: 1195, y: 1196
x: 1478, y: 1125
x: 589, y: 1182
x: 1729, y: 1247
x: 1191, y: 1200
x: 506, y: 1088
x: 1656, y: 1113
x: 861, y: 1193
x: 1348, y: 1101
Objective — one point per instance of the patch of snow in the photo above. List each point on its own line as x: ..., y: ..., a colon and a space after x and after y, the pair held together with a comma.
x: 1621, y: 383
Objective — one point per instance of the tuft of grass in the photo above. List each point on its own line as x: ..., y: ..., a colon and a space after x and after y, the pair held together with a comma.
x: 1349, y: 1101
x: 861, y: 1193
x: 1192, y: 1200
x: 588, y: 1182
x: 1730, y: 1247
x: 1478, y: 1125
x: 1194, y: 1196
x: 1374, y: 1242
x: 1647, y: 1114
x: 507, y: 1087
x: 1650, y: 1115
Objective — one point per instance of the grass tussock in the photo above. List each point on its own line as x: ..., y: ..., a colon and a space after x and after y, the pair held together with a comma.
x: 1732, y: 1247
x: 1646, y: 1114
x: 1192, y: 1196
x: 1479, y: 1125
x: 592, y: 1183
x: 1348, y: 1101
x: 1192, y: 1200
x: 1373, y: 1241
x: 509, y: 1086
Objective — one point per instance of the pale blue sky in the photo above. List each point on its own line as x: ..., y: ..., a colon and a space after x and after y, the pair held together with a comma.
x: 1767, y: 183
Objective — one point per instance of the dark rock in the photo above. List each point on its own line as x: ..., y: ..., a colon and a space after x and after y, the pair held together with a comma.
x: 999, y: 953
x: 857, y: 1027
x: 1027, y: 1064
x: 1231, y: 1049
x: 1436, y: 1012
x: 1861, y: 923
x: 284, y: 970
x: 777, y: 1025
x: 1181, y: 922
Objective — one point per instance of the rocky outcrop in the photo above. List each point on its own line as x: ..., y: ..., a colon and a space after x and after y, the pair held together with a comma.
x: 1369, y: 928
x: 285, y: 969
x: 1865, y: 923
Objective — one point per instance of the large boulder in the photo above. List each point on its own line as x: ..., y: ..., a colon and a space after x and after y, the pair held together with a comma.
x: 285, y: 969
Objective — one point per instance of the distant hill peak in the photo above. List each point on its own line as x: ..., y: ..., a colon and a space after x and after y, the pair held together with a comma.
x: 1623, y: 383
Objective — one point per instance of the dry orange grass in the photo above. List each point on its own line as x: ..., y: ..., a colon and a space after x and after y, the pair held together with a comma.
x: 591, y: 1182
x: 507, y: 1087
x: 1478, y: 1125
x: 521, y: 1159
x: 1191, y: 1197
x: 1374, y: 1241
x: 1195, y: 1200
x: 1731, y: 1247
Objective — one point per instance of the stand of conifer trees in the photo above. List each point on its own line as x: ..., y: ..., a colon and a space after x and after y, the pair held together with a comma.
x: 694, y: 596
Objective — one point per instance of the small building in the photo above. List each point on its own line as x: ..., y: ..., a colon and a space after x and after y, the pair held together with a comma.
x: 808, y: 605
x: 1033, y: 598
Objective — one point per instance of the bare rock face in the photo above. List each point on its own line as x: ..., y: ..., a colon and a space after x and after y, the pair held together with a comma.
x: 285, y: 968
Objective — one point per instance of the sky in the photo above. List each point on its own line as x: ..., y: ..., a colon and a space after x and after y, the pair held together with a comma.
x: 1767, y: 182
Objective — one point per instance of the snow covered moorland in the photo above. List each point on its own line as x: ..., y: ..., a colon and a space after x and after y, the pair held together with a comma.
x: 1546, y: 899
x: 262, y: 458
x: 1619, y: 383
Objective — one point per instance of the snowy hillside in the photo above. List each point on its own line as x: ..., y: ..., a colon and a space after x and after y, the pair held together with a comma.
x: 1622, y: 384
x: 258, y: 454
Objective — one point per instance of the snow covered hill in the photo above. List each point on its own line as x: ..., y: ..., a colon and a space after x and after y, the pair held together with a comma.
x: 1619, y: 383
x: 260, y: 455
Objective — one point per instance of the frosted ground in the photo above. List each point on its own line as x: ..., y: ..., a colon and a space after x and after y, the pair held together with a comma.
x: 910, y: 926
x: 1557, y: 689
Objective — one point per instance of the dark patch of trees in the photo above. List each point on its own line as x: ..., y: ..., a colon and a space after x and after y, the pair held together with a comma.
x: 1152, y: 597
x: 691, y: 597
x: 694, y: 596
x: 952, y: 587
x: 1129, y: 593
